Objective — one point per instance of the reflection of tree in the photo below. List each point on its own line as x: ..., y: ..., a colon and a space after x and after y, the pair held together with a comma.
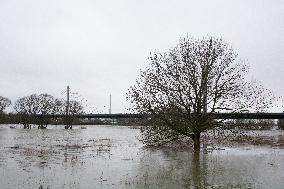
x: 171, y: 169
x: 182, y: 169
x: 198, y: 178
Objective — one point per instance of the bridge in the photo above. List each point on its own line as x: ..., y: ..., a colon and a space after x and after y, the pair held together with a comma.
x: 68, y: 120
x: 140, y: 116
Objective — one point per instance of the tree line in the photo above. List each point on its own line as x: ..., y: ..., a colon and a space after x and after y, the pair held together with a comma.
x: 39, y: 104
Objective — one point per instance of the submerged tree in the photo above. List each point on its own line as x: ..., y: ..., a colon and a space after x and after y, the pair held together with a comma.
x: 33, y: 108
x: 280, y: 124
x: 4, y: 103
x: 75, y: 108
x: 29, y: 106
x: 59, y: 106
x: 181, y: 87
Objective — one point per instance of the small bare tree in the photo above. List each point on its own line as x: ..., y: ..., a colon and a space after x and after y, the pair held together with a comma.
x: 4, y: 103
x: 280, y: 124
x: 181, y: 87
x: 75, y: 107
x: 59, y: 107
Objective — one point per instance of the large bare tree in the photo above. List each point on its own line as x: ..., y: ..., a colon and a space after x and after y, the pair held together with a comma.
x: 180, y: 87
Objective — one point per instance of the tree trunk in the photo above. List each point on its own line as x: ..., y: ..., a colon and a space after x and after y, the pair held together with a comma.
x: 196, y: 141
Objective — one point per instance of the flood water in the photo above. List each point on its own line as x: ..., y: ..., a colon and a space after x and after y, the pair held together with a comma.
x: 113, y: 157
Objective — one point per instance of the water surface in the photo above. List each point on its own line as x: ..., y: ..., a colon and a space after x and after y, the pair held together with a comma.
x: 113, y: 157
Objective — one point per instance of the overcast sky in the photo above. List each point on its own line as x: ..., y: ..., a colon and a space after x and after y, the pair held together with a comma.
x: 98, y: 47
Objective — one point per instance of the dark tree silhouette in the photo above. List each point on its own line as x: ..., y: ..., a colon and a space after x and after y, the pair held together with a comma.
x: 75, y: 107
x: 34, y: 104
x: 31, y: 106
x: 280, y: 123
x: 4, y: 103
x: 180, y: 87
x: 27, y: 105
x: 59, y: 106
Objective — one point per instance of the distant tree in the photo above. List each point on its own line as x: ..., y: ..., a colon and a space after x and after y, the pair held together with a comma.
x: 4, y: 103
x: 265, y: 124
x: 59, y: 107
x: 44, y: 104
x: 75, y: 107
x: 27, y: 105
x: 34, y: 104
x: 250, y: 124
x: 280, y: 124
x: 196, y: 77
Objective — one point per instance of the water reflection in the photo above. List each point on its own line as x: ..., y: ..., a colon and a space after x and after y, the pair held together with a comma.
x: 198, y: 173
x: 179, y: 169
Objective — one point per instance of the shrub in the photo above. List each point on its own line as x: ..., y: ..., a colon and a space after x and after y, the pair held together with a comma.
x: 280, y: 124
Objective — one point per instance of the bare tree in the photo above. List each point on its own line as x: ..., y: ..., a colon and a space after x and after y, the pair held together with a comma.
x: 59, y: 106
x: 280, y: 124
x: 75, y: 107
x: 43, y: 104
x: 31, y: 107
x: 181, y: 87
x: 35, y: 104
x: 27, y: 105
x: 4, y: 103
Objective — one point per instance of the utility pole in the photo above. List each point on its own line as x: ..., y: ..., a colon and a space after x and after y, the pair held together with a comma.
x: 68, y: 123
x: 67, y: 106
x: 110, y: 104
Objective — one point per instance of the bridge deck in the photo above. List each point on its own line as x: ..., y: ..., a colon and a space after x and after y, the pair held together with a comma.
x: 214, y: 115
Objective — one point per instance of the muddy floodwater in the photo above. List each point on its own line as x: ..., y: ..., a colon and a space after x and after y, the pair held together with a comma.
x: 113, y: 157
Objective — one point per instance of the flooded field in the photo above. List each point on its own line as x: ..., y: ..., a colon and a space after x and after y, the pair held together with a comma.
x: 113, y: 157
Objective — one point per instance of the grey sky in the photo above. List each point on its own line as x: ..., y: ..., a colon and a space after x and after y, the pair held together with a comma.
x: 97, y: 47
